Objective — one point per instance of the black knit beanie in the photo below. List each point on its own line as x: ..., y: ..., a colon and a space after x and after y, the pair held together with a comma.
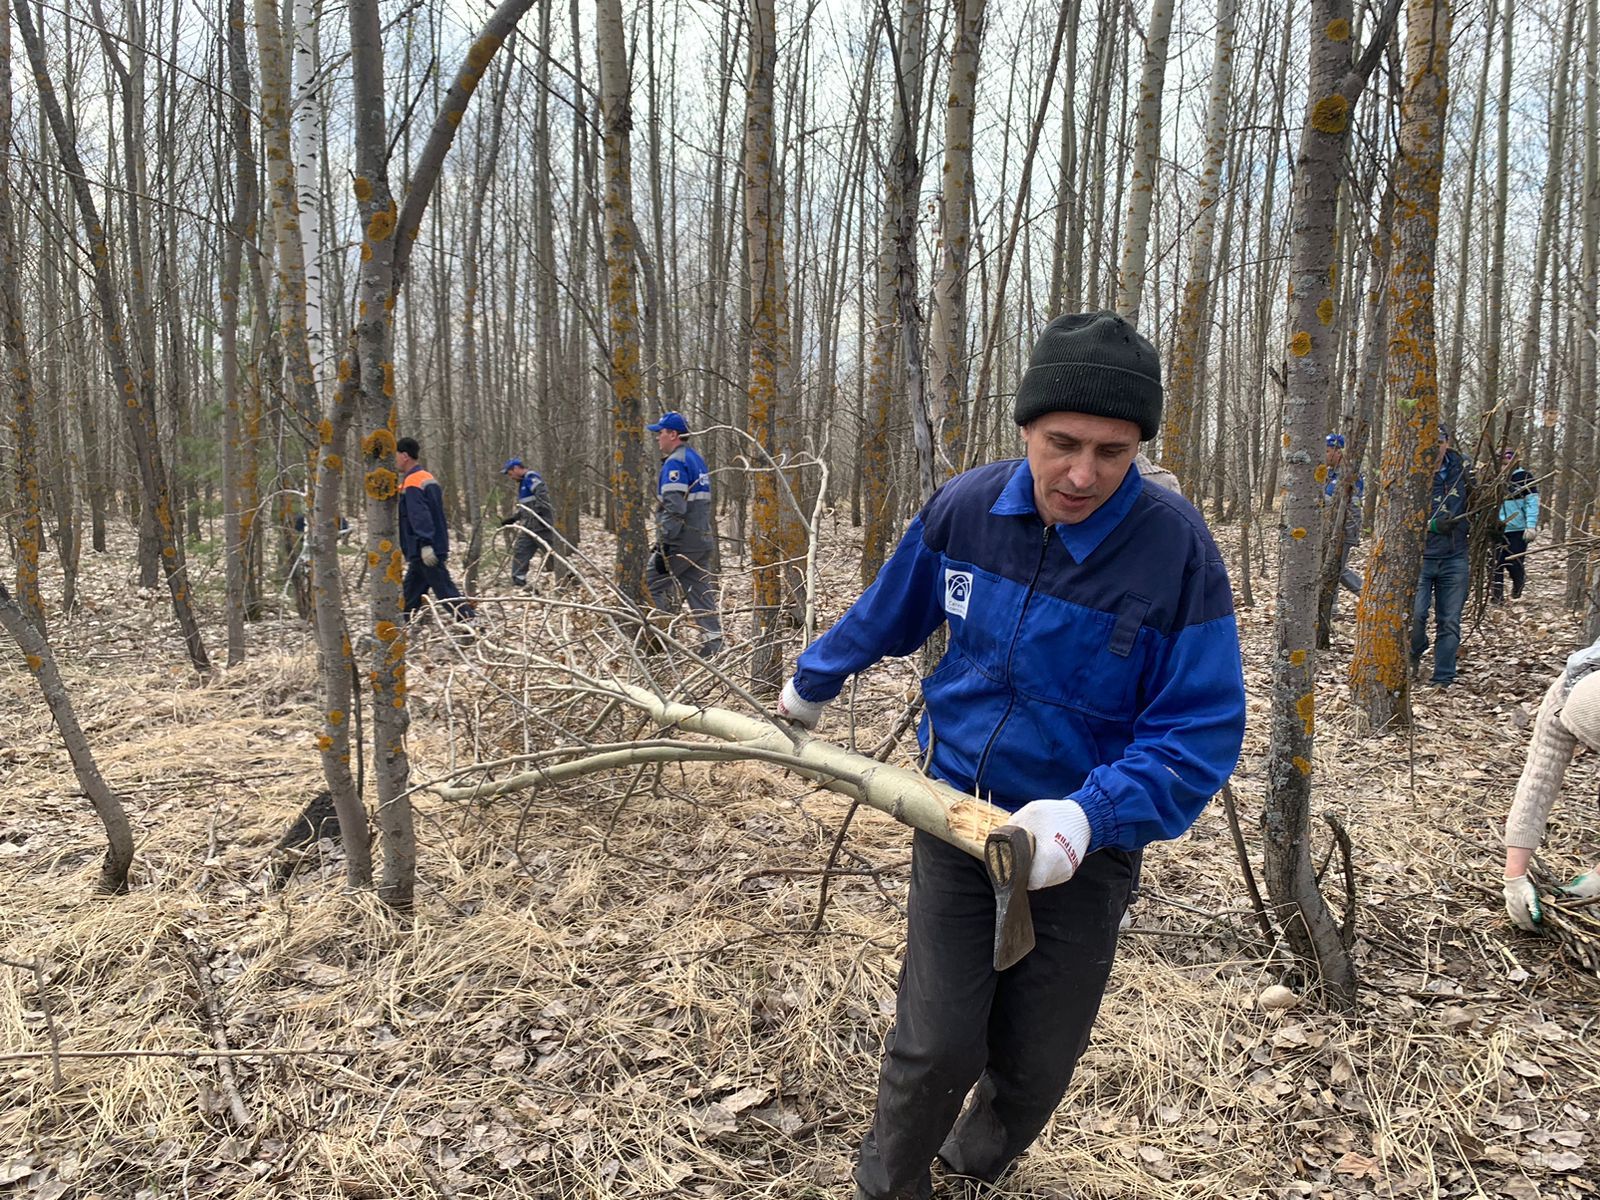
x: 1093, y: 363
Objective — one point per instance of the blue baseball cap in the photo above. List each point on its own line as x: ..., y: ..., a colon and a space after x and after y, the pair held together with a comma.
x: 1336, y: 440
x: 511, y: 465
x: 673, y: 421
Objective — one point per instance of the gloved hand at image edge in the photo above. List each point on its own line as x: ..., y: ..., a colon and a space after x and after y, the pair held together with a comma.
x: 792, y: 706
x: 1584, y: 887
x: 429, y: 557
x: 1522, y: 903
x: 1060, y: 831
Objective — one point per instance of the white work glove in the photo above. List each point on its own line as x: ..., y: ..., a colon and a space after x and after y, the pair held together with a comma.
x: 1584, y: 887
x: 1060, y: 839
x: 792, y: 706
x: 429, y: 558
x: 1530, y: 536
x: 1522, y: 903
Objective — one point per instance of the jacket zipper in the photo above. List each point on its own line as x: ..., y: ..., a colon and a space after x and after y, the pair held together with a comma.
x: 1011, y: 652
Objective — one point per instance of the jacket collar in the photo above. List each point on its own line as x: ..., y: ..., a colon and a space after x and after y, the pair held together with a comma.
x: 1082, y: 539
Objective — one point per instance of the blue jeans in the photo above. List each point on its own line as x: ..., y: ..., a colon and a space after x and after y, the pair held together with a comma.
x: 1443, y: 587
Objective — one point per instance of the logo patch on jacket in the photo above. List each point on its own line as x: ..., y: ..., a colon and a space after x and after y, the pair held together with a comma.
x: 957, y: 592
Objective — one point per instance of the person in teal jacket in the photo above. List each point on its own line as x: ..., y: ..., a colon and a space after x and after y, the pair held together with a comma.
x: 1519, y: 525
x: 1092, y: 686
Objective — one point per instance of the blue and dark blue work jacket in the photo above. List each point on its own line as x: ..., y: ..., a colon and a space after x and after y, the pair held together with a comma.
x: 683, y: 496
x: 1097, y: 661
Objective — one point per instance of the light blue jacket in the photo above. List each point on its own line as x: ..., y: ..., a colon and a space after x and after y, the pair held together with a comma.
x: 1519, y: 511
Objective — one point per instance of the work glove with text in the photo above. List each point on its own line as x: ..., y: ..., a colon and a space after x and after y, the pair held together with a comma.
x: 429, y: 558
x: 792, y: 706
x: 1060, y: 831
x: 1522, y: 903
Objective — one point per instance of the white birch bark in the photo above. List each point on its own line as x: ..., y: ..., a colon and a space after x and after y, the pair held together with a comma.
x: 308, y: 120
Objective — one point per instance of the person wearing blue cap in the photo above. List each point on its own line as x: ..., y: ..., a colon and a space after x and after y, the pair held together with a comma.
x: 1351, y: 533
x: 534, y: 517
x: 1445, y: 575
x: 680, y: 564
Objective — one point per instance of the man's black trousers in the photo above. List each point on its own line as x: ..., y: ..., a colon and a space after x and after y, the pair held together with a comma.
x: 1017, y: 1034
x: 1512, y: 561
x: 420, y: 578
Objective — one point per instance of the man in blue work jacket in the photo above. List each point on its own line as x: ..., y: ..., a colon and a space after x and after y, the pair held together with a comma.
x: 534, y: 518
x: 680, y: 564
x: 1092, y: 686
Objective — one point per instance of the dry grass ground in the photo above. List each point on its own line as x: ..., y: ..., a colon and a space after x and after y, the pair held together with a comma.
x: 614, y: 990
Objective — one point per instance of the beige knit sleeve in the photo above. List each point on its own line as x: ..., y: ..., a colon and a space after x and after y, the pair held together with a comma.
x: 1542, y: 773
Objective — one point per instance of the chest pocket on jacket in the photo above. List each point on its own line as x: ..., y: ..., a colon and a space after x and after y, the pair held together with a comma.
x: 1082, y: 658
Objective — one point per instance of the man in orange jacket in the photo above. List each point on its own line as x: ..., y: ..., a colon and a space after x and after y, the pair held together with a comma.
x: 424, y: 536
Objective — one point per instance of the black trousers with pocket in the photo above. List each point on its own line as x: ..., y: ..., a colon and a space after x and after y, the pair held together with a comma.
x: 1016, y: 1034
x: 1513, y: 561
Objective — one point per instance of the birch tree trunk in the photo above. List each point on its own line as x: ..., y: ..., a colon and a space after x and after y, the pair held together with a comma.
x: 307, y: 121
x: 326, y: 454
x: 1378, y: 666
x: 1183, y: 390
x: 628, y: 479
x: 1146, y: 158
